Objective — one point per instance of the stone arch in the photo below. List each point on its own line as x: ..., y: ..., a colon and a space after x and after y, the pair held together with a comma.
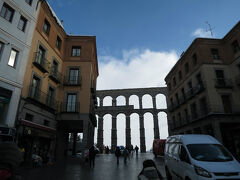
x: 147, y: 101
x: 121, y: 100
x: 135, y: 126
x: 161, y: 102
x: 107, y: 126
x: 107, y: 101
x: 121, y: 126
x: 134, y: 100
x: 149, y: 129
x: 163, y: 124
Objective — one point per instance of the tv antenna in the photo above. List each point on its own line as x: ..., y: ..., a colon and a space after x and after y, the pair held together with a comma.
x: 209, y: 28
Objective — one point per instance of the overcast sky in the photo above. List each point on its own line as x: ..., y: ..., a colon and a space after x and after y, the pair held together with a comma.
x: 139, y: 41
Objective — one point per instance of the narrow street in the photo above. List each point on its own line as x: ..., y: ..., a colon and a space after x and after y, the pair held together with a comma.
x: 105, y: 168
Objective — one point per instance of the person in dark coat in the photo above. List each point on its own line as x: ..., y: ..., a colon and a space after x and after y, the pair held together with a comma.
x: 92, y: 155
x: 136, y: 149
x: 117, y: 154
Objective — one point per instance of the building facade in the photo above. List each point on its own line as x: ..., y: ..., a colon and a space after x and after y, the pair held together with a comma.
x: 204, y: 90
x: 18, y: 20
x: 58, y: 86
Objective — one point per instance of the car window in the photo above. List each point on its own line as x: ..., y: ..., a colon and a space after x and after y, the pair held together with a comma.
x: 209, y: 152
x: 183, y: 154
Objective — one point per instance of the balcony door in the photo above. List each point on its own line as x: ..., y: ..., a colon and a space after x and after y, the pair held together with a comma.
x: 50, y: 96
x: 74, y: 76
x: 220, y: 77
x: 35, y: 93
x: 40, y: 55
x: 71, y: 102
x: 227, y: 105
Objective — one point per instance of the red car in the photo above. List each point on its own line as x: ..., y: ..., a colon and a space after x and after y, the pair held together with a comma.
x: 158, y: 147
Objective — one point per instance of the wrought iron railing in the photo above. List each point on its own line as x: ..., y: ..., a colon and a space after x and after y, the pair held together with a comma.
x: 41, y: 97
x: 41, y: 62
x: 72, y: 80
x: 55, y: 75
x: 223, y: 83
x: 70, y: 107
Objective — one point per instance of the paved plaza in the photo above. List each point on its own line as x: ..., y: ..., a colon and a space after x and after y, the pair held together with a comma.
x: 106, y: 168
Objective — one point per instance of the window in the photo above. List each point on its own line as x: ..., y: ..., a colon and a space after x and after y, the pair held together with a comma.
x: 71, y: 102
x: 184, y: 155
x: 177, y: 99
x: 46, y: 123
x: 22, y: 23
x: 194, y: 111
x: 40, y: 55
x: 29, y: 2
x: 183, y: 93
x: 180, y: 75
x: 35, y: 93
x: 235, y: 46
x: 13, y: 58
x: 58, y: 42
x: 169, y: 87
x: 186, y: 115
x: 74, y: 76
x: 190, y: 87
x: 76, y: 51
x: 173, y: 122
x: 194, y: 59
x: 29, y: 117
x: 203, y: 106
x: 46, y: 27
x: 50, y: 97
x: 215, y: 54
x: 55, y: 68
x: 179, y: 119
x: 174, y: 81
x: 220, y: 78
x: 227, y: 105
x: 199, y: 79
x: 186, y: 68
x: 7, y: 12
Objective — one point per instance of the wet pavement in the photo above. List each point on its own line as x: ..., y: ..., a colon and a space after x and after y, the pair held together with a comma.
x: 106, y: 168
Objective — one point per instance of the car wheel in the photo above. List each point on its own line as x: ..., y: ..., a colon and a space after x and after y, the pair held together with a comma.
x: 168, y: 175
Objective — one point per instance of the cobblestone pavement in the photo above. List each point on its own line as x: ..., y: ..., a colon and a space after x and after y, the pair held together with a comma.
x: 106, y: 168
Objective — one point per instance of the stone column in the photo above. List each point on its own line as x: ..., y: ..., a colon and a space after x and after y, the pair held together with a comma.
x: 101, y: 102
x: 114, y: 133
x: 128, y: 131
x: 140, y: 102
x: 156, y: 126
x: 114, y: 102
x: 85, y: 134
x: 100, y: 133
x: 127, y: 101
x: 142, y: 134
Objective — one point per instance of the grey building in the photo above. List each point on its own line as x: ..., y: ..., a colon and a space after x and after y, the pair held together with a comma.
x: 17, y: 22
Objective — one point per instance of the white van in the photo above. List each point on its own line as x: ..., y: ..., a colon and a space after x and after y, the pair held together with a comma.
x: 197, y: 157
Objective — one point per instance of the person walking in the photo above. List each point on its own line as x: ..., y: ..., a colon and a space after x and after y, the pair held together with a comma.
x: 136, y: 149
x: 92, y: 155
x: 117, y: 154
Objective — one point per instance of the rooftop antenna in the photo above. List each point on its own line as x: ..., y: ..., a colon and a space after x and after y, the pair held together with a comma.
x: 209, y: 28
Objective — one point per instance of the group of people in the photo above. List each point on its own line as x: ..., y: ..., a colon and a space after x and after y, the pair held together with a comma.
x: 125, y: 152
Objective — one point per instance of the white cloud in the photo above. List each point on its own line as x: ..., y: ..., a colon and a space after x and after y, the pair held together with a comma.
x: 136, y: 69
x: 202, y: 33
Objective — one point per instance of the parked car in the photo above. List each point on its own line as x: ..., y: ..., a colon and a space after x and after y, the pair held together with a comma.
x: 199, y: 157
x: 158, y: 147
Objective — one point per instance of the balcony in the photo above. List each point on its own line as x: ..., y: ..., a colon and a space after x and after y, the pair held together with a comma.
x: 41, y: 63
x: 223, y: 83
x: 72, y: 81
x: 42, y: 98
x: 55, y: 76
x: 70, y: 107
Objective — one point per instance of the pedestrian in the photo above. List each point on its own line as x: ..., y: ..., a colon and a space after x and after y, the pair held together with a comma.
x: 92, y: 155
x: 107, y: 150
x: 125, y: 154
x: 136, y: 149
x: 117, y: 154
